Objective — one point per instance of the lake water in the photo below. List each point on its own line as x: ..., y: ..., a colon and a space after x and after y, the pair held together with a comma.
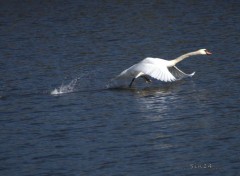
x: 57, y: 116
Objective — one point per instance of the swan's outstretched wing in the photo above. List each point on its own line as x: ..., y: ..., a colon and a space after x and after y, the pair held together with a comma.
x: 159, y: 72
x: 178, y: 74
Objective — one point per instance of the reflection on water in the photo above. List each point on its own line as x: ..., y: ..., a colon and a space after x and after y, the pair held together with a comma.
x: 157, y: 99
x: 155, y: 103
x: 163, y: 89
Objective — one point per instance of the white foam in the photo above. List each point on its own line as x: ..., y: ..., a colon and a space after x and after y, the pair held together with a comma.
x: 68, y: 88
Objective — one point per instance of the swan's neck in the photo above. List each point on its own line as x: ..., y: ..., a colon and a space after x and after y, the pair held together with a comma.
x: 180, y: 58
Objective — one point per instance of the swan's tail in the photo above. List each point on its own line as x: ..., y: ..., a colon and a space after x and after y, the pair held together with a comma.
x: 120, y: 81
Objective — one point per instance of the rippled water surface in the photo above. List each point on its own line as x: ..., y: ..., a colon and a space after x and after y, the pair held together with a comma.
x: 57, y: 116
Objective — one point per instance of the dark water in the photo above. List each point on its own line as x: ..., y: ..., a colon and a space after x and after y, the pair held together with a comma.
x: 74, y: 48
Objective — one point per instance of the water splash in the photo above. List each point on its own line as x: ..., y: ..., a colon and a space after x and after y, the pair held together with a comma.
x: 88, y: 80
x: 68, y: 88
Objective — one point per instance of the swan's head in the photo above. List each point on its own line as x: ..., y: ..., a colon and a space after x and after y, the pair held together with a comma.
x: 204, y: 52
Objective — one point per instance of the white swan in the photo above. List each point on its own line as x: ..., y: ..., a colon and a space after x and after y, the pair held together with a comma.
x: 160, y: 69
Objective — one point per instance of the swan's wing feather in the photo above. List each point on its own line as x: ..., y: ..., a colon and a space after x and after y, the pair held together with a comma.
x: 159, y: 72
x: 178, y: 74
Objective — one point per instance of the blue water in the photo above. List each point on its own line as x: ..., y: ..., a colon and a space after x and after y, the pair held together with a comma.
x: 58, y: 117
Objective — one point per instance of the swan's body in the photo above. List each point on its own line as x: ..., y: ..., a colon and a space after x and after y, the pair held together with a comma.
x: 160, y: 69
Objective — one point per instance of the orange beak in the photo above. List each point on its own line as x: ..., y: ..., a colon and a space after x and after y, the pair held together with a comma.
x: 208, y: 53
